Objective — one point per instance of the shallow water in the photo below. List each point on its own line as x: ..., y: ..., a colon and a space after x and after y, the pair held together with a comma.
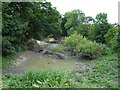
x: 33, y: 61
x: 49, y: 63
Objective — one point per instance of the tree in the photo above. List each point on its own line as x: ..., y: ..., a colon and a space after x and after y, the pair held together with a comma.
x: 84, y: 28
x: 25, y: 20
x: 111, y: 38
x: 76, y: 21
x: 72, y: 19
x: 100, y: 28
x: 63, y: 22
x: 13, y: 30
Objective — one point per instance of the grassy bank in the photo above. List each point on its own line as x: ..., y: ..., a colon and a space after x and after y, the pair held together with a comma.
x: 6, y: 60
x: 100, y: 73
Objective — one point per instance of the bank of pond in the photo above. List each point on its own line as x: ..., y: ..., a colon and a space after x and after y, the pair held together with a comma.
x: 98, y: 73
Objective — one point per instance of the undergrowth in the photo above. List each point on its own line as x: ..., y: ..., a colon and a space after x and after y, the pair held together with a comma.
x: 6, y: 61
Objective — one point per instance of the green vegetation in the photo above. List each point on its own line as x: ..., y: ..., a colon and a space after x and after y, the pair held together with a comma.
x: 95, y: 40
x: 38, y: 20
x: 6, y: 60
x: 99, y: 73
x: 104, y: 72
x: 59, y: 48
x: 100, y: 28
x: 44, y: 79
x: 0, y: 61
x: 81, y: 46
x: 23, y: 21
x: 111, y: 38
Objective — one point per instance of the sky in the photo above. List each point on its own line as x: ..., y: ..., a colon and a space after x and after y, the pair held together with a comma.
x: 89, y: 7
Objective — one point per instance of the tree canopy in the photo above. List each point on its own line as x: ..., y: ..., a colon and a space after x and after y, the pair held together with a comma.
x: 22, y: 21
x: 25, y: 20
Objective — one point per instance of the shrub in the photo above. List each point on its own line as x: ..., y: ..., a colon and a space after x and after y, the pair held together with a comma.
x: 85, y: 48
x: 105, y: 49
x: 71, y: 31
x: 31, y: 43
x: 88, y: 49
x: 7, y: 47
x: 72, y: 41
x: 6, y: 60
x: 60, y: 48
x: 111, y: 38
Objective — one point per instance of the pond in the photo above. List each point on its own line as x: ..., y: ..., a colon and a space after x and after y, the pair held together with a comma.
x: 48, y: 63
x: 33, y: 61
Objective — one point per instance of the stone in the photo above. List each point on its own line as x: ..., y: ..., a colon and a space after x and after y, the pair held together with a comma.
x: 59, y: 55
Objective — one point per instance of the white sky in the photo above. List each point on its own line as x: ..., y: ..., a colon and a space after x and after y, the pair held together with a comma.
x: 89, y: 7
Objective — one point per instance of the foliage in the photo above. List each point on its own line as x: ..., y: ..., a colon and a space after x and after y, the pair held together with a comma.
x: 74, y: 18
x: 63, y: 22
x: 100, y: 28
x: 118, y: 39
x: 47, y: 21
x: 85, y: 27
x: 59, y: 48
x: 76, y: 21
x: 101, y: 18
x: 108, y: 67
x: 88, y: 49
x: 98, y: 73
x: 13, y: 30
x: 43, y: 79
x: 72, y: 41
x: 71, y: 20
x: 111, y: 38
x: 5, y: 61
x: 23, y: 21
x: 105, y: 50
x: 84, y: 47
x: 31, y: 43
x: 101, y: 73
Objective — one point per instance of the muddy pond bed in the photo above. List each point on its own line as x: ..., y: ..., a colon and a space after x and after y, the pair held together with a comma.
x: 34, y: 61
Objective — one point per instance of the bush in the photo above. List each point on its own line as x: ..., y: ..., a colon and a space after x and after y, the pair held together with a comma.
x: 72, y: 41
x: 111, y: 38
x: 88, y: 49
x: 7, y: 48
x: 105, y: 50
x: 60, y: 48
x: 6, y: 60
x: 31, y: 43
x: 85, y: 48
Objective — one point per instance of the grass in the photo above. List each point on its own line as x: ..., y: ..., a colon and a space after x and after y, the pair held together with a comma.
x: 45, y: 79
x: 0, y: 61
x: 6, y: 60
x: 0, y: 83
x: 99, y: 73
